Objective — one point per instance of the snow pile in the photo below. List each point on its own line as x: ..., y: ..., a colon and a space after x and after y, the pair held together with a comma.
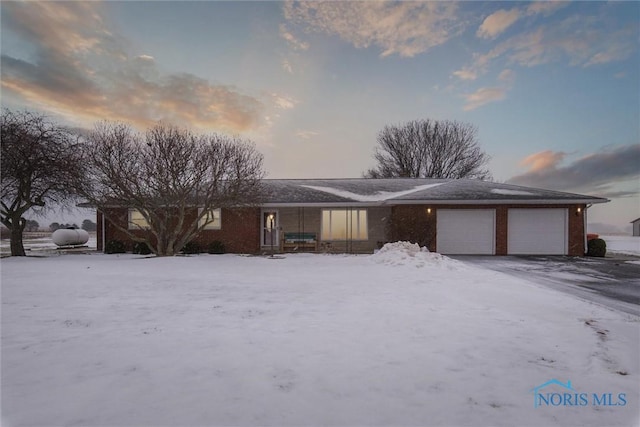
x: 407, y: 253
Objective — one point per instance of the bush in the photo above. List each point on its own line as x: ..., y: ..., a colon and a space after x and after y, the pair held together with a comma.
x: 191, y: 248
x: 141, y: 248
x: 114, y: 247
x: 216, y: 247
x: 596, y: 247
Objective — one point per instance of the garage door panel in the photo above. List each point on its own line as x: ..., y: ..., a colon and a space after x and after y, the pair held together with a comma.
x: 466, y: 231
x: 537, y: 232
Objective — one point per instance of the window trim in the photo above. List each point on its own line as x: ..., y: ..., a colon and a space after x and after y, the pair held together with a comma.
x: 349, y: 236
x: 211, y: 226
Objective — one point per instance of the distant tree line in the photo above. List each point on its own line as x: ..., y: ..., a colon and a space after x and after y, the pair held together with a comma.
x: 87, y: 225
x: 32, y: 226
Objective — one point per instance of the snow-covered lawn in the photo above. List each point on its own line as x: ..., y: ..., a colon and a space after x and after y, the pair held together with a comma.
x: 628, y: 245
x: 398, y: 338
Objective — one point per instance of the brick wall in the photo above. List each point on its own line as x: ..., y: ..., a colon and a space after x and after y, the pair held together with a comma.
x: 577, y: 230
x: 240, y: 230
x: 413, y: 223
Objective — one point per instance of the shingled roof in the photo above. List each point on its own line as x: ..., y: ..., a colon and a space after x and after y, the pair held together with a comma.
x: 395, y: 191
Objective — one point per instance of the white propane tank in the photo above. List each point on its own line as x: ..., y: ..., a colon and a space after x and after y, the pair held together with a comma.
x: 70, y: 237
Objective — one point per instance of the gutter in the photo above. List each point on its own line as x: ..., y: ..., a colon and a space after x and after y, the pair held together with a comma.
x: 584, y: 227
x: 104, y: 234
x: 392, y: 202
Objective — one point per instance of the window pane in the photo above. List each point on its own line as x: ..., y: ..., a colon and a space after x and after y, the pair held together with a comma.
x: 136, y: 220
x: 214, y: 219
x: 338, y: 225
x: 326, y: 225
x: 362, y: 225
x: 343, y: 224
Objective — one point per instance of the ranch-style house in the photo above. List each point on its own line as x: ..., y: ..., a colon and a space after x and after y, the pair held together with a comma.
x: 449, y: 216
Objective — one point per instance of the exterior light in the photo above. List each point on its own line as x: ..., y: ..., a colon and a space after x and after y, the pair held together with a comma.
x: 428, y: 210
x: 579, y: 210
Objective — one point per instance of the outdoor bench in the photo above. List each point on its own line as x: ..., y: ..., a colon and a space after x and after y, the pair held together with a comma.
x: 298, y: 241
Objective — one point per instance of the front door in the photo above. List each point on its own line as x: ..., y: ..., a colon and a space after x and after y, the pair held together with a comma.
x: 270, y: 227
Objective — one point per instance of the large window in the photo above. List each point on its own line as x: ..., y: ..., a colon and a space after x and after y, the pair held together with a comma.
x: 136, y: 220
x: 344, y: 224
x: 212, y: 220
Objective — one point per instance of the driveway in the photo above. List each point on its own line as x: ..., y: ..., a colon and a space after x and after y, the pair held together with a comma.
x: 613, y: 281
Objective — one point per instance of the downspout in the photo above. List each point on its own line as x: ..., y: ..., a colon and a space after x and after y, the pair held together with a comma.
x: 104, y: 244
x: 584, y: 227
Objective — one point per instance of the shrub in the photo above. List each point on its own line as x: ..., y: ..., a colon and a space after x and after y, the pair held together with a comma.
x: 596, y: 247
x: 191, y: 248
x: 114, y: 247
x: 141, y: 248
x: 216, y: 247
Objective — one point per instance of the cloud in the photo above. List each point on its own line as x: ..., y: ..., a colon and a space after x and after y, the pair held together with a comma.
x: 618, y: 49
x: 578, y: 40
x: 291, y: 39
x: 497, y: 23
x: 286, y: 65
x: 543, y: 160
x: 507, y: 76
x: 546, y: 7
x: 482, y: 96
x: 64, y: 28
x: 81, y: 70
x: 466, y: 74
x: 147, y: 58
x: 283, y: 102
x: 596, y: 173
x: 487, y: 95
x: 397, y: 28
x: 306, y: 134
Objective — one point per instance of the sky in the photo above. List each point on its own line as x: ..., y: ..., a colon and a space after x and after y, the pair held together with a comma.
x: 552, y: 87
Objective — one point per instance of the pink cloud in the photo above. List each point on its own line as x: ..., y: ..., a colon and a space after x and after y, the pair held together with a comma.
x: 543, y: 160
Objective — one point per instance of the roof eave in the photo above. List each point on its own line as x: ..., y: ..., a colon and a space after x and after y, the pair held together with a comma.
x: 438, y: 202
x: 501, y: 202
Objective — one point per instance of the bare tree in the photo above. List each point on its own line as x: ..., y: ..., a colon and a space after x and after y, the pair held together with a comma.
x: 31, y: 225
x: 429, y: 149
x: 40, y: 166
x: 88, y: 225
x: 166, y: 175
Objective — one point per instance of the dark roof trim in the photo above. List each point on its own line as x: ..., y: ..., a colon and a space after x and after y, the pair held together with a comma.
x: 436, y: 203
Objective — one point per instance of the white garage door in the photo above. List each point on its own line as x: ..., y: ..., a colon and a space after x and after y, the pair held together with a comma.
x: 537, y: 232
x: 466, y: 231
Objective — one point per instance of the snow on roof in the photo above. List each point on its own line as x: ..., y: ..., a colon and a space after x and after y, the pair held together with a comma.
x: 376, y: 197
x: 511, y: 192
x: 409, y: 190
